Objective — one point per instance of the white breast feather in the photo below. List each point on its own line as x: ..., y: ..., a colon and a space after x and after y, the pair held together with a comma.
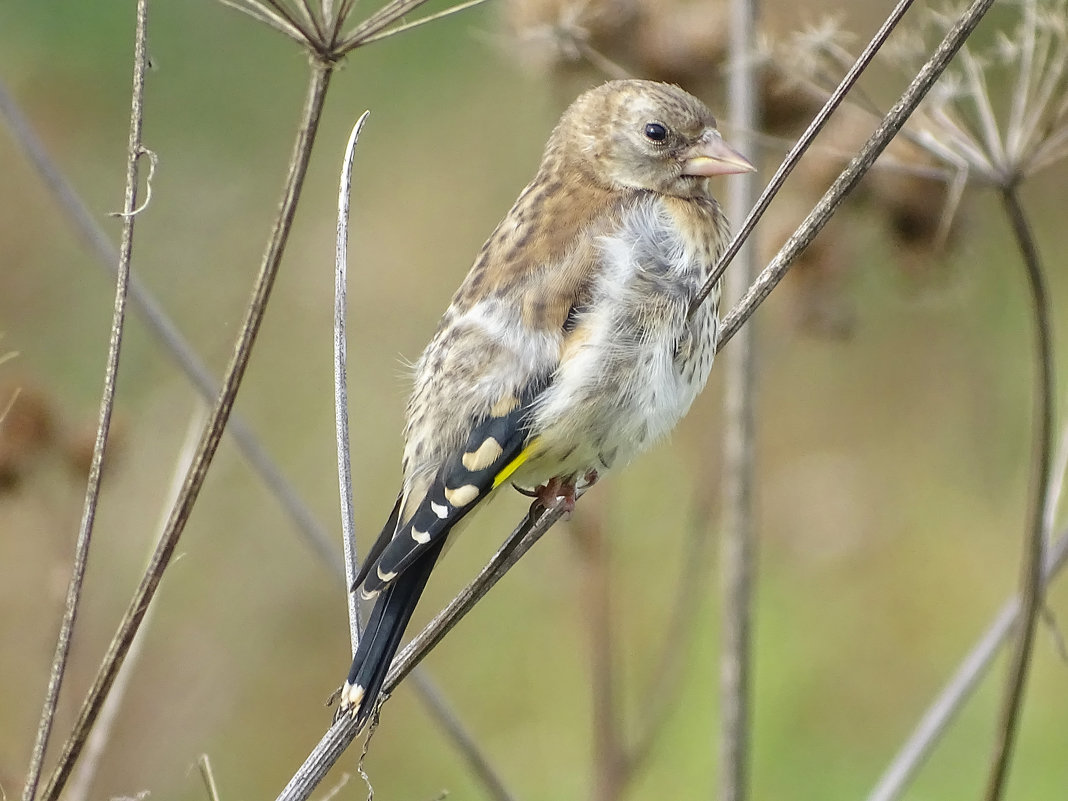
x: 625, y: 387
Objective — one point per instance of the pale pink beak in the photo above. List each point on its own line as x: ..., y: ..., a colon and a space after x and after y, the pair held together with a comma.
x: 712, y: 156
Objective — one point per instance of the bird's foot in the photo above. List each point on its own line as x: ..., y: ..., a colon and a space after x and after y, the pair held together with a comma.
x: 558, y: 490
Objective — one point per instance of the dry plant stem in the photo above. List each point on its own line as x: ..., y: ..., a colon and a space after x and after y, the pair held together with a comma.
x: 435, y: 703
x: 143, y: 302
x: 861, y: 163
x: 209, y: 442
x: 92, y: 491
x: 939, y: 715
x: 799, y: 148
x: 338, y: 737
x: 737, y: 547
x: 1035, y: 534
x: 341, y: 387
x: 97, y: 742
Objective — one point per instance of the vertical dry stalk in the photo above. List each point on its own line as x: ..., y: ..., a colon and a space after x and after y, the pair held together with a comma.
x: 737, y: 545
x: 318, y: 83
x: 1035, y: 533
x: 92, y: 493
x: 341, y: 386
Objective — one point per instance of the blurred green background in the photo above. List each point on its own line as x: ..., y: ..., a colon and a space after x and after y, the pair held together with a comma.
x: 892, y: 462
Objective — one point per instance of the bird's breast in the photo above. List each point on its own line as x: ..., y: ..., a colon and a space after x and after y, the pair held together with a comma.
x: 634, y: 362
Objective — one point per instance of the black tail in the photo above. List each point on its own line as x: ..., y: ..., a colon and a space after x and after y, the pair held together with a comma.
x: 382, y: 636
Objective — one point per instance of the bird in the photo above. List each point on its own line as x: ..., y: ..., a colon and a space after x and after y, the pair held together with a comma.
x: 568, y: 349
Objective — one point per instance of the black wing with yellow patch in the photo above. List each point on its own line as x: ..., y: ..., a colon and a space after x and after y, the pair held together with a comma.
x: 495, y: 448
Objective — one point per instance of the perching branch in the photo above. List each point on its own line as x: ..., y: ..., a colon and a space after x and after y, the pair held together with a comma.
x: 134, y: 151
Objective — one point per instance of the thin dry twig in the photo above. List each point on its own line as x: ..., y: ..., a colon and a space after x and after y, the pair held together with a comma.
x: 1035, y: 532
x: 378, y: 22
x: 407, y: 26
x: 341, y: 388
x: 92, y: 491
x: 210, y: 438
x: 737, y: 546
x: 267, y: 17
x: 861, y: 163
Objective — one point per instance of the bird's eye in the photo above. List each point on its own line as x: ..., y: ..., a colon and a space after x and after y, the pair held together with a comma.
x: 655, y: 132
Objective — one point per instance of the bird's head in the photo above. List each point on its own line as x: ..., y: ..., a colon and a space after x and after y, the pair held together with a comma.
x: 646, y: 135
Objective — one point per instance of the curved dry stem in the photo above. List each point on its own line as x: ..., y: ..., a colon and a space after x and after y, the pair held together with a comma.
x: 1035, y: 533
x: 318, y: 83
x: 107, y: 400
x: 341, y: 386
x: 802, y: 144
x: 852, y: 174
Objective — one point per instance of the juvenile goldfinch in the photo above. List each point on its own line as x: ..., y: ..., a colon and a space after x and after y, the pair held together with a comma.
x: 567, y: 348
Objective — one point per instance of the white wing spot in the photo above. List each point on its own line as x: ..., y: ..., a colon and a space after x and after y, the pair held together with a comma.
x: 488, y: 452
x: 461, y: 496
x: 504, y: 405
x: 422, y: 537
x: 441, y: 511
x: 385, y: 577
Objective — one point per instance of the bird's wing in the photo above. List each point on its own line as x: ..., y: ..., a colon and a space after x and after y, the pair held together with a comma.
x: 496, y: 446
